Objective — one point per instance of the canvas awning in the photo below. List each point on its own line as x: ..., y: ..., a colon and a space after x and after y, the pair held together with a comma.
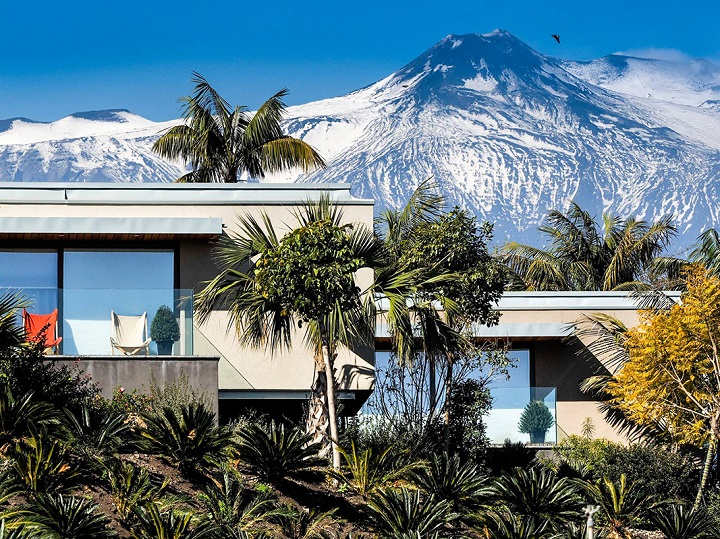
x: 108, y: 227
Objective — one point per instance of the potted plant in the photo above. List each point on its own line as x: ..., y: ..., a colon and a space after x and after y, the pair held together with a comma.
x: 536, y: 420
x: 164, y: 330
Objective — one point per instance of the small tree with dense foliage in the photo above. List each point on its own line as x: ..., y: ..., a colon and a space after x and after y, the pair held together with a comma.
x: 672, y: 374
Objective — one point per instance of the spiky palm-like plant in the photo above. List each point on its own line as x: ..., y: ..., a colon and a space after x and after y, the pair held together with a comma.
x: 190, y: 438
x: 42, y: 465
x: 131, y: 487
x: 462, y: 484
x: 231, y: 507
x: 582, y: 256
x: 22, y: 415
x: 58, y: 517
x: 275, y: 452
x: 539, y: 493
x: 11, y: 333
x: 682, y: 522
x: 221, y: 142
x: 621, y: 504
x: 404, y: 512
x: 95, y: 432
x: 312, y: 524
x: 503, y: 525
x: 365, y: 472
x: 152, y: 523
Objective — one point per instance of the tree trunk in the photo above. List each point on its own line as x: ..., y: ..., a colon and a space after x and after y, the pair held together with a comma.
x: 706, y: 467
x: 332, y: 409
x: 317, y: 418
x: 448, y: 398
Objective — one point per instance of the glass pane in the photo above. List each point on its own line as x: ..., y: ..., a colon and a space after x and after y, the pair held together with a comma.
x: 34, y: 272
x: 129, y: 283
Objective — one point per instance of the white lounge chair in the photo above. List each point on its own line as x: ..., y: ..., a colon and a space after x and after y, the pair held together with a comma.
x: 129, y: 334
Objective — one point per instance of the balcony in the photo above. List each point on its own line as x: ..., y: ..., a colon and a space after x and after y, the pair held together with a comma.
x: 86, y: 325
x: 504, y: 422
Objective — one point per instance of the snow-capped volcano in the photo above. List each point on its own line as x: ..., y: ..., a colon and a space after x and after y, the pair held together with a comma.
x: 505, y: 130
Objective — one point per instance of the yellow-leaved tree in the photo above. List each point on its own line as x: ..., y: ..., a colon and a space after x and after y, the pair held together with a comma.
x: 672, y: 375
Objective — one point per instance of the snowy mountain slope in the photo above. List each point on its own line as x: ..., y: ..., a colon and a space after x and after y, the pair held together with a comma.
x: 505, y: 130
x: 511, y: 133
x: 109, y: 145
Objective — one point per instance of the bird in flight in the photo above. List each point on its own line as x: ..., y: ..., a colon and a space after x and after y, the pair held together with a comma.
x: 556, y: 37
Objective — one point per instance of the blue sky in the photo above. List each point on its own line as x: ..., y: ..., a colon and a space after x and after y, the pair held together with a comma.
x: 62, y: 57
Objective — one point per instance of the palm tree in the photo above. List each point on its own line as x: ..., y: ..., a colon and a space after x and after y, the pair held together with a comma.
x: 221, y: 142
x: 267, y: 320
x: 582, y: 256
x: 11, y: 332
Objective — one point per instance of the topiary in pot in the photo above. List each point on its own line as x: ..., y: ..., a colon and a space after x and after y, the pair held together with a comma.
x: 164, y: 330
x: 536, y: 420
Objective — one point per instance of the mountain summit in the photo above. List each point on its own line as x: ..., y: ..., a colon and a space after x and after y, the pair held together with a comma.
x: 506, y: 131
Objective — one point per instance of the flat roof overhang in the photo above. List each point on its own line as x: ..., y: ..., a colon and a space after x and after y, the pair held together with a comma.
x: 148, y: 228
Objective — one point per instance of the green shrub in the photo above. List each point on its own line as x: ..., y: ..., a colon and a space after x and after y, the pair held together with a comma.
x: 27, y: 369
x: 652, y: 469
x: 131, y: 487
x: 274, y: 452
x: 55, y: 516
x: 175, y: 395
x: 409, y: 513
x: 535, y: 418
x: 164, y: 327
x: 507, y: 457
x: 540, y: 494
x: 41, y: 465
x: 190, y: 439
x: 446, y: 477
x: 681, y: 522
x: 367, y: 471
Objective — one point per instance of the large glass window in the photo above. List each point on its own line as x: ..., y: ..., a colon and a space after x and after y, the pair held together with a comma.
x: 34, y: 274
x: 100, y: 282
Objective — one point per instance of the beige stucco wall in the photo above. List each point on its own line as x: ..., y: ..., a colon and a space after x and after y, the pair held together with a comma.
x: 240, y: 367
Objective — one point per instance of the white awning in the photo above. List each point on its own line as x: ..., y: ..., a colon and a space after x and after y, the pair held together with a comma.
x: 142, y: 227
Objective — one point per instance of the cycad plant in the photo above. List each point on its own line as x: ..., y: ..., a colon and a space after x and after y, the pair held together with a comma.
x: 463, y: 484
x: 621, y: 504
x: 221, y: 142
x: 584, y: 256
x: 22, y: 415
x: 11, y: 333
x: 190, y: 438
x: 682, y: 522
x: 275, y: 452
x: 503, y: 525
x: 152, y: 523
x: 366, y: 471
x: 404, y: 512
x: 313, y: 524
x: 231, y: 507
x: 55, y: 516
x: 131, y: 487
x: 539, y: 493
x: 94, y: 432
x: 42, y: 465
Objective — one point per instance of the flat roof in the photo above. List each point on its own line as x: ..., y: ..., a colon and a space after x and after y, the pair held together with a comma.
x: 234, y: 194
x: 97, y: 227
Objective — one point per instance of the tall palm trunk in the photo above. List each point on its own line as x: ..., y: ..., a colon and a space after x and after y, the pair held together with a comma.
x: 328, y: 360
x: 448, y: 395
x: 317, y: 424
x: 708, y: 461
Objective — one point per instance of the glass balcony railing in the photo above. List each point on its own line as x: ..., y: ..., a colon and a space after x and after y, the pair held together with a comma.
x: 522, y: 414
x: 104, y: 322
